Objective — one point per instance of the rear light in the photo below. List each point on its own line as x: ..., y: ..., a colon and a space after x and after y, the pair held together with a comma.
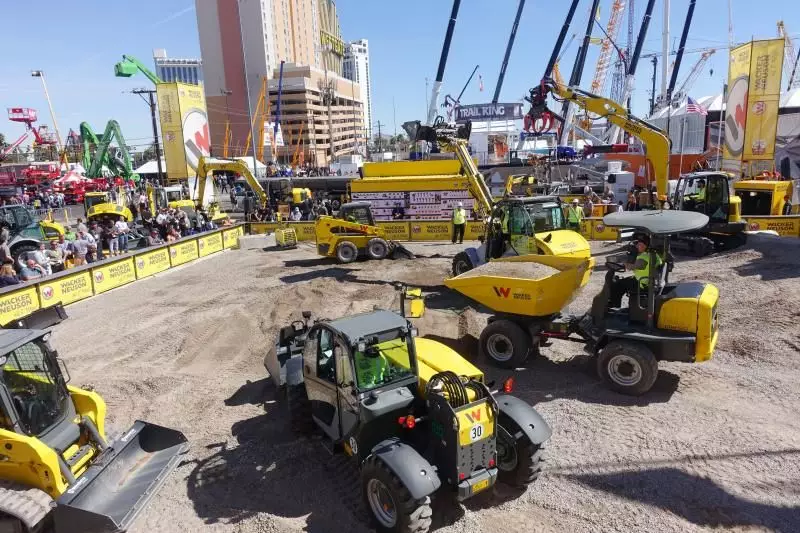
x: 491, y: 463
x: 461, y: 476
x: 407, y: 421
x: 508, y: 385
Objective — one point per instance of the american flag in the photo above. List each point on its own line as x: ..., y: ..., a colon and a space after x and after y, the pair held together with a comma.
x: 693, y: 107
x: 480, y: 83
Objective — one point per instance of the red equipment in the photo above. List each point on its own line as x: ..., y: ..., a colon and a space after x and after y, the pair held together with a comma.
x: 27, y: 116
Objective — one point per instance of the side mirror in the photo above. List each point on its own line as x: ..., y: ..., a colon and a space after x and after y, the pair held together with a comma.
x: 307, y: 315
x: 63, y: 367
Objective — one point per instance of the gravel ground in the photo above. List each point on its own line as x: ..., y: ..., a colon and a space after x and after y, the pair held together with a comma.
x: 714, y: 446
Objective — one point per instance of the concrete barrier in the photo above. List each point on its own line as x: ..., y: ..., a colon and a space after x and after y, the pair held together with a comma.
x: 75, y: 284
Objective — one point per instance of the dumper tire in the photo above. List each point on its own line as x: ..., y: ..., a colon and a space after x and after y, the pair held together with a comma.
x: 505, y: 343
x: 521, y: 463
x: 346, y: 252
x: 461, y: 263
x: 702, y: 246
x: 628, y: 367
x: 377, y: 248
x: 299, y: 410
x: 410, y: 515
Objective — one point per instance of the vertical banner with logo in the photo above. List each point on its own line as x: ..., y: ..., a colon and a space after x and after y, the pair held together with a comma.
x: 184, y: 127
x: 766, y: 67
x: 736, y: 107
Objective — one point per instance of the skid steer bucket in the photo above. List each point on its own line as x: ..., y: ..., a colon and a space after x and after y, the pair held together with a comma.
x: 121, y: 481
x: 401, y: 252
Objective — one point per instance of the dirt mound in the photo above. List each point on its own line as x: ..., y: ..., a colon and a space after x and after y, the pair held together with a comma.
x: 512, y: 270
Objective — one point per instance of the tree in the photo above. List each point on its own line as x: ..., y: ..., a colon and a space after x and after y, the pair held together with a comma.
x: 2, y: 141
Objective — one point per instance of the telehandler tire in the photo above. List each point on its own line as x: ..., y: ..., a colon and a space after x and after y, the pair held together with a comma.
x: 391, y: 505
x: 299, y: 410
x: 377, y: 248
x: 461, y: 263
x: 505, y: 343
x: 346, y: 252
x: 519, y: 463
x: 628, y: 367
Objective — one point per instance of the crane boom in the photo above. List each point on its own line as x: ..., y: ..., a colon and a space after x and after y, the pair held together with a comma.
x: 789, y: 60
x: 129, y: 66
x: 10, y: 148
x: 207, y: 164
x: 433, y: 105
x: 694, y: 73
x: 607, y: 47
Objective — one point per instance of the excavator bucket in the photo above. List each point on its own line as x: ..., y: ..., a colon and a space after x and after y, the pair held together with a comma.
x: 121, y: 481
x: 401, y: 252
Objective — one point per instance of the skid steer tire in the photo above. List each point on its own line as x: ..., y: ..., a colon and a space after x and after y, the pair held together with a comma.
x: 377, y: 248
x: 299, y: 410
x: 505, y: 343
x: 628, y: 367
x: 521, y: 461
x: 461, y: 263
x: 390, y: 504
x: 346, y: 252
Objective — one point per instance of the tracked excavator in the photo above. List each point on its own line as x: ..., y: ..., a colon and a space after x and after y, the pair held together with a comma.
x: 725, y: 228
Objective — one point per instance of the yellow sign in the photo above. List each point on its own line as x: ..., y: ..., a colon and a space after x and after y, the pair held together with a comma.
x: 785, y: 226
x: 66, y: 289
x: 184, y: 127
x: 474, y: 230
x: 183, y: 252
x: 209, y: 244
x: 736, y: 106
x: 395, y: 231
x: 304, y: 230
x: 17, y: 304
x: 151, y: 263
x: 430, y: 231
x: 599, y: 231
x: 113, y: 275
x: 230, y: 238
x: 766, y: 64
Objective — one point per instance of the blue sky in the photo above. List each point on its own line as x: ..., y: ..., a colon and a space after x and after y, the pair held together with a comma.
x: 77, y: 43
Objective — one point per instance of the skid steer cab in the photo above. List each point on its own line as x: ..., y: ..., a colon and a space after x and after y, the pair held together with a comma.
x: 59, y: 468
x: 412, y: 413
x: 353, y: 234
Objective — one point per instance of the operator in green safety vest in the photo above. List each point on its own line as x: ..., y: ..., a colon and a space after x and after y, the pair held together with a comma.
x: 459, y: 223
x: 700, y: 196
x: 574, y: 216
x: 641, y: 273
x: 371, y: 366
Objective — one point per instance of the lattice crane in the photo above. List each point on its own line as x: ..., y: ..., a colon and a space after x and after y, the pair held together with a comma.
x: 607, y: 47
x: 693, y: 74
x: 790, y: 69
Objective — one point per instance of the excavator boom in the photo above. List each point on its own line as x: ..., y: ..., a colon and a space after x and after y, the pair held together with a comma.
x: 207, y: 164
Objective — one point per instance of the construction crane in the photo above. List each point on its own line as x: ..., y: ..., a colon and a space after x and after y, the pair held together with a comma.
x: 790, y: 59
x: 607, y: 47
x: 688, y: 82
x: 27, y: 116
x: 433, y: 104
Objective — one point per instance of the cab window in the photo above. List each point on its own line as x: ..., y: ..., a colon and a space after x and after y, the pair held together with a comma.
x: 361, y: 215
x: 325, y: 362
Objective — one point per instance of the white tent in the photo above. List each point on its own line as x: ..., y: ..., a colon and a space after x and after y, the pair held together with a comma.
x: 151, y: 167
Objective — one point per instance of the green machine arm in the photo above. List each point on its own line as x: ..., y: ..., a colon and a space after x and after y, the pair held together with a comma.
x: 129, y: 66
x: 94, y: 165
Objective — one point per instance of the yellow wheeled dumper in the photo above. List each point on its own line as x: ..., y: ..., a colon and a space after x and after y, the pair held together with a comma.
x: 663, y: 321
x: 60, y: 471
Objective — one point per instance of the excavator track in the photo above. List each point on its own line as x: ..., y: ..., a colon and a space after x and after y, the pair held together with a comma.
x: 28, y: 505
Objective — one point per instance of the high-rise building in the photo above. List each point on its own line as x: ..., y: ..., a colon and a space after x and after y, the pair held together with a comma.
x: 356, y: 67
x: 255, y: 36
x: 177, y: 69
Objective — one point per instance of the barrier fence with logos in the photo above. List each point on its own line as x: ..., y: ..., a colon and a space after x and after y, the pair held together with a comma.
x: 75, y: 284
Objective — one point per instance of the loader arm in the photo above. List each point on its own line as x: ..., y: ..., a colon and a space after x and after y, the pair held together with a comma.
x: 207, y: 164
x: 656, y: 141
x: 476, y: 185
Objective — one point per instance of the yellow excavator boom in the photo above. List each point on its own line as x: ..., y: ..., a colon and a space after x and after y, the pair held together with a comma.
x: 207, y: 164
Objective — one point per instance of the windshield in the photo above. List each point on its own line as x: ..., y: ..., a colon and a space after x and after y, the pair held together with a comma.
x: 174, y: 196
x: 38, y: 400
x: 382, y: 363
x: 542, y: 217
x: 93, y: 200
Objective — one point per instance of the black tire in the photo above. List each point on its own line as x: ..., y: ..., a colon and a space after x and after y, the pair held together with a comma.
x: 377, y: 248
x: 505, y: 343
x: 461, y: 263
x: 9, y: 524
x: 521, y: 463
x: 346, y: 252
x: 410, y: 515
x: 702, y: 247
x: 628, y: 367
x: 299, y: 410
x: 18, y: 251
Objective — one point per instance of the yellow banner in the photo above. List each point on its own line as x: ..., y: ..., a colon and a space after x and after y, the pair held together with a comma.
x: 430, y: 231
x: 66, y: 289
x: 304, y: 230
x: 785, y: 226
x: 230, y: 238
x: 151, y: 263
x: 17, y: 304
x: 183, y: 252
x: 209, y: 244
x: 395, y: 231
x: 113, y: 275
x: 766, y: 64
x: 473, y: 231
x: 736, y: 106
x: 184, y: 127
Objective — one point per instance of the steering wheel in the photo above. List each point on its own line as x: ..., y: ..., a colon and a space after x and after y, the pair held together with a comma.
x: 615, y: 266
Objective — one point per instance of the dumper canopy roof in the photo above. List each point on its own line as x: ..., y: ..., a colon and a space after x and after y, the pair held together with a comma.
x: 359, y: 326
x: 353, y: 205
x: 658, y: 222
x: 529, y: 200
x: 11, y: 339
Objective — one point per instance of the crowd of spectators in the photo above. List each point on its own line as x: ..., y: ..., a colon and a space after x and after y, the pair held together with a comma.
x: 308, y: 210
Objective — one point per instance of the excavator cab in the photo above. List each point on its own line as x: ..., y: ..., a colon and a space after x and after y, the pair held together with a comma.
x: 358, y: 212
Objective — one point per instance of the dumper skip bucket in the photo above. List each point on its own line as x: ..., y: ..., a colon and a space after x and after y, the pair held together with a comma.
x: 111, y: 493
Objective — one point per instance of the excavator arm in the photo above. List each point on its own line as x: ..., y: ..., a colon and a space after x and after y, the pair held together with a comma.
x: 656, y: 141
x: 475, y: 182
x: 207, y: 164
x: 129, y: 66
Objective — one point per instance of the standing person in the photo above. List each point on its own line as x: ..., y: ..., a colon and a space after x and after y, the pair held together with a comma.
x: 233, y: 199
x: 79, y: 248
x: 223, y: 183
x: 459, y: 223
x: 122, y: 235
x: 109, y: 238
x: 55, y: 257
x: 574, y: 216
x: 631, y: 205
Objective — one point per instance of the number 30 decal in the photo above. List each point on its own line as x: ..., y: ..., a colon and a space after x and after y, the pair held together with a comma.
x: 476, y: 432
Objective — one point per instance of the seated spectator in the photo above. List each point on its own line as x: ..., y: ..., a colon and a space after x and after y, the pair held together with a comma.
x: 55, y: 257
x: 7, y: 275
x: 5, y: 251
x: 40, y: 257
x: 31, y: 271
x: 154, y: 238
x: 227, y: 221
x: 173, y: 235
x: 296, y: 215
x: 398, y: 212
